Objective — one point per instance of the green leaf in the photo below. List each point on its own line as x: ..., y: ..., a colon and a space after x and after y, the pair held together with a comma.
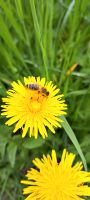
x: 3, y: 143
x: 12, y: 149
x: 4, y: 138
x: 74, y: 140
x: 32, y: 143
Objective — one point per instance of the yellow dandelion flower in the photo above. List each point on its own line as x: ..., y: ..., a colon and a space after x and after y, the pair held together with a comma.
x: 33, y: 106
x: 57, y: 181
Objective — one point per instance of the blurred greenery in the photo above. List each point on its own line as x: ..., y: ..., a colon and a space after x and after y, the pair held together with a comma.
x: 48, y: 45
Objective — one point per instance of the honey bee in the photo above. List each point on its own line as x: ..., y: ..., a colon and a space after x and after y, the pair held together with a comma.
x: 35, y: 86
x: 44, y: 91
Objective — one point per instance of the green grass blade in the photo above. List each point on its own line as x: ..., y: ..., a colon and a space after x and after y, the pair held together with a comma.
x: 19, y: 8
x: 69, y: 10
x: 74, y: 140
x: 12, y: 20
x: 8, y: 58
x: 7, y: 37
x: 38, y: 33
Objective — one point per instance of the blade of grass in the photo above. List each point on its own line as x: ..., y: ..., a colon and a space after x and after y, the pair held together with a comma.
x: 21, y: 16
x: 69, y: 10
x: 74, y: 140
x: 19, y: 8
x: 78, y: 93
x: 5, y: 34
x: 38, y: 33
x: 3, y: 187
x: 12, y: 20
x: 50, y: 36
x: 8, y: 58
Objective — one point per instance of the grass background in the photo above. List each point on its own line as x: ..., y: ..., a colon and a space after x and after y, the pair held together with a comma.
x: 44, y: 38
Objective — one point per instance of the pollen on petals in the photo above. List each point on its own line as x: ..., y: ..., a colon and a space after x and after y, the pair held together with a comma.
x: 34, y: 106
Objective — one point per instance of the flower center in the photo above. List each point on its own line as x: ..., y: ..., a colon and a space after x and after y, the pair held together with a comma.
x: 35, y: 100
x: 35, y: 106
